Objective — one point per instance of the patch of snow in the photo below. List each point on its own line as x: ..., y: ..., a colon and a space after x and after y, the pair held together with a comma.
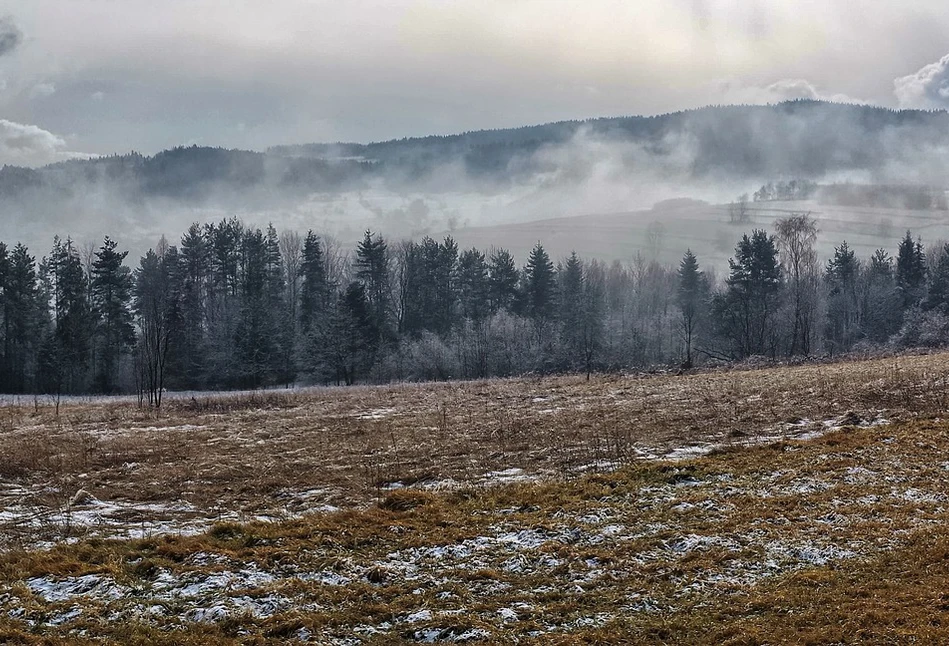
x: 377, y: 413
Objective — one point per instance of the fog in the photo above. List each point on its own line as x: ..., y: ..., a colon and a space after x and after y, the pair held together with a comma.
x: 476, y: 184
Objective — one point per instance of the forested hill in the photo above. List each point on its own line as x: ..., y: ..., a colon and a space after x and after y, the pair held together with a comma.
x: 797, y: 138
x: 805, y: 139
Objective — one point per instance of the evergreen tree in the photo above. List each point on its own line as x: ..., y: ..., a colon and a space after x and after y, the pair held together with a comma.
x: 111, y: 299
x: 745, y: 312
x: 571, y: 311
x: 473, y: 285
x: 539, y: 287
x: 692, y: 298
x: 910, y: 271
x: 259, y: 333
x: 314, y: 288
x: 224, y: 313
x: 937, y: 297
x: 503, y: 280
x: 24, y: 320
x: 188, y: 360
x: 880, y: 299
x: 841, y: 276
x: 65, y: 351
x: 444, y: 274
x: 372, y: 266
x: 355, y: 337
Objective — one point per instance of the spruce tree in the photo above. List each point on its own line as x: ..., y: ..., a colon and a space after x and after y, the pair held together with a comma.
x: 841, y: 276
x: 65, y: 351
x: 937, y: 297
x: 745, y: 312
x: 910, y: 271
x: 193, y: 276
x: 571, y: 311
x: 372, y: 270
x: 111, y: 301
x: 473, y: 286
x: 314, y: 288
x: 539, y: 287
x: 503, y: 281
x: 691, y: 297
x: 24, y: 320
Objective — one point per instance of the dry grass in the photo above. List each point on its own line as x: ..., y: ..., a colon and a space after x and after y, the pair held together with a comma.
x: 282, y: 453
x: 837, y: 539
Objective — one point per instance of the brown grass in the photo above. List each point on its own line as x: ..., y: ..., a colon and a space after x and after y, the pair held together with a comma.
x: 839, y: 539
x: 248, y: 455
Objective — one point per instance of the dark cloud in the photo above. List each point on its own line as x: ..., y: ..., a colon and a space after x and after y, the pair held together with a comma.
x: 10, y: 35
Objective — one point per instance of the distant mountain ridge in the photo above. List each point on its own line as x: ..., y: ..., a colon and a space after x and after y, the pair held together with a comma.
x: 806, y: 139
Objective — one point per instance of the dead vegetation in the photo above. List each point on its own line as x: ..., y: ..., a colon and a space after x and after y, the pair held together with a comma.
x: 279, y: 454
x: 811, y: 510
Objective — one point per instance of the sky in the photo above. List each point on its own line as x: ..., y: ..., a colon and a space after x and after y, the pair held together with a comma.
x: 92, y: 77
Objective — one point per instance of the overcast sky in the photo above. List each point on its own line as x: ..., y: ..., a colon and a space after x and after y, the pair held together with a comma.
x: 102, y: 76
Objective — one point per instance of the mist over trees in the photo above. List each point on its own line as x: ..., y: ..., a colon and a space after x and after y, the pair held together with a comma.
x: 233, y: 306
x: 564, y: 168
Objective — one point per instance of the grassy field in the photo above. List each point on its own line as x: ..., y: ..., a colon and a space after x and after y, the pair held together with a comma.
x: 705, y: 229
x: 801, y: 504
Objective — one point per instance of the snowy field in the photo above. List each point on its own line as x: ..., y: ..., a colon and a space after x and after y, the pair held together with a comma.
x: 709, y: 508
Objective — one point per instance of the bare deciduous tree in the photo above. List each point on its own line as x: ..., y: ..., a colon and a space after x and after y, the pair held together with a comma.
x: 796, y: 236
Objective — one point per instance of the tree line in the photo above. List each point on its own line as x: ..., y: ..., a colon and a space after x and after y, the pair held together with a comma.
x: 232, y: 306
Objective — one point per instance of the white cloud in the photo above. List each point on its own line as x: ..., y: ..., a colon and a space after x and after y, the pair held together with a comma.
x: 927, y: 88
x: 28, y: 145
x: 782, y: 90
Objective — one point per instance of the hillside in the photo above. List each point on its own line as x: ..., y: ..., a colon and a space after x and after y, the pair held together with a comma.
x: 412, y: 187
x: 665, y: 232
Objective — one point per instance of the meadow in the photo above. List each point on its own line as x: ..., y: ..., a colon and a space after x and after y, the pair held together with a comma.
x: 788, y: 504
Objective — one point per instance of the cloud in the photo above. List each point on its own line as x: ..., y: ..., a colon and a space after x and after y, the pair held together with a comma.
x: 789, y: 89
x: 42, y: 89
x: 927, y: 88
x: 28, y: 145
x: 10, y: 35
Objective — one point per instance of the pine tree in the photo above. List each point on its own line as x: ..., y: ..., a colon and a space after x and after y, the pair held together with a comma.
x: 24, y: 320
x: 372, y: 270
x: 841, y: 276
x: 259, y: 334
x: 910, y: 271
x: 503, y: 280
x: 571, y: 311
x: 445, y: 272
x: 880, y: 299
x: 193, y: 275
x: 314, y: 288
x: 473, y: 285
x: 354, y: 335
x: 692, y: 298
x: 223, y: 365
x: 539, y: 287
x: 937, y: 297
x: 111, y: 299
x: 745, y: 312
x: 65, y: 351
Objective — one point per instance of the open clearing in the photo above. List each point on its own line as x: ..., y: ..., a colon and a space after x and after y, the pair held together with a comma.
x: 794, y: 504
